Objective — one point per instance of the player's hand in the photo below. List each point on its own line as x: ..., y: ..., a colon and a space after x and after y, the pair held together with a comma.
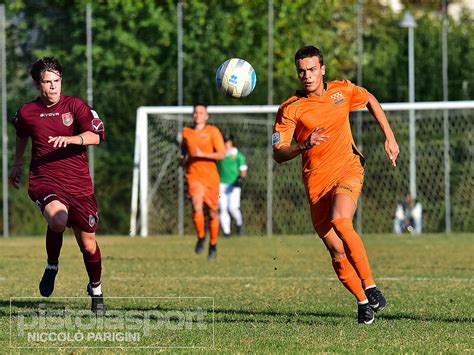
x: 60, y: 141
x: 198, y: 153
x: 15, y: 176
x: 239, y: 182
x: 392, y: 150
x: 315, y: 138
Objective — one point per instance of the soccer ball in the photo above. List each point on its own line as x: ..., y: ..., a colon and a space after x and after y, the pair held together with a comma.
x: 236, y: 77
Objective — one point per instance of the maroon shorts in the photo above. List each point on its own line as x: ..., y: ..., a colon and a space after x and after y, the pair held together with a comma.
x: 82, y: 210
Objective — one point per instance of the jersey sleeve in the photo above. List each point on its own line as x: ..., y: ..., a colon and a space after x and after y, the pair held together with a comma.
x: 359, y: 96
x: 242, y: 162
x: 283, y: 129
x: 88, y: 119
x: 218, y: 141
x: 20, y: 126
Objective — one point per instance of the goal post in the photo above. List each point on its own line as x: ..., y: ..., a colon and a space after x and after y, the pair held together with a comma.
x: 273, y: 199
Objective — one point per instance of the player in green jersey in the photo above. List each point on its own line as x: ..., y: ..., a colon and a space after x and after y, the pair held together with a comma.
x: 232, y: 172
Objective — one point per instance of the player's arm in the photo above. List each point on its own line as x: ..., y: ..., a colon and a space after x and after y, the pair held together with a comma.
x: 15, y: 173
x: 288, y: 152
x: 85, y: 138
x: 183, y: 156
x: 198, y: 153
x: 391, y: 146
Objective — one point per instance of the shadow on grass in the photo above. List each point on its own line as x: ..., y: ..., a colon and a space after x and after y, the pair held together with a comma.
x: 228, y: 315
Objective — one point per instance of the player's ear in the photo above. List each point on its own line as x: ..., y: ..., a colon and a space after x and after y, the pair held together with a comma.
x: 323, y: 69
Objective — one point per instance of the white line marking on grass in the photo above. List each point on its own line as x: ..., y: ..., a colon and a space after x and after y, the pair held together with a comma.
x: 302, y: 278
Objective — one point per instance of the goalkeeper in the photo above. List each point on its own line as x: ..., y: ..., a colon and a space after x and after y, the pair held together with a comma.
x: 232, y: 172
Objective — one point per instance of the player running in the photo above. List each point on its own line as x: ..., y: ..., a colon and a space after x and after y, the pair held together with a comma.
x: 202, y: 145
x: 333, y: 168
x: 60, y: 128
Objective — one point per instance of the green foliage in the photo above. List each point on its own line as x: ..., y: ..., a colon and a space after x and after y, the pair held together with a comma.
x: 135, y: 56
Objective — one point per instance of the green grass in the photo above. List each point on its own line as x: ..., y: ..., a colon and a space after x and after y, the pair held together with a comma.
x: 269, y: 295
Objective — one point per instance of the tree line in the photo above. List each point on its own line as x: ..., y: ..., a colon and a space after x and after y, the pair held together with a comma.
x: 135, y: 64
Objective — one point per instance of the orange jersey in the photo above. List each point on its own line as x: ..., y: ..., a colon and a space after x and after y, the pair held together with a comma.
x: 300, y: 115
x: 209, y: 140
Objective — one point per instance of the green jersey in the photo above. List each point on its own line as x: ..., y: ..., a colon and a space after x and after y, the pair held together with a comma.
x: 230, y: 167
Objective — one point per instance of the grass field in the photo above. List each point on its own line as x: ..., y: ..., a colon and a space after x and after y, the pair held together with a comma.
x: 275, y: 294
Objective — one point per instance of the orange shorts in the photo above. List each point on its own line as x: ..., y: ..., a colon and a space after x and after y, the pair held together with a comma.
x: 349, y: 182
x: 210, y: 194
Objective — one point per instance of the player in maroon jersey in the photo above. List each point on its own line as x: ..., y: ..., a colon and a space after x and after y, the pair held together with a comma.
x: 60, y: 128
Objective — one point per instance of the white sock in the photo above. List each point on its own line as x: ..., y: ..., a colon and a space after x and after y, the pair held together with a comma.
x: 96, y: 291
x: 363, y: 302
x: 371, y: 286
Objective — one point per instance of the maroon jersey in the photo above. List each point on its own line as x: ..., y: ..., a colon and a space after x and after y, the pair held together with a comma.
x: 65, y: 168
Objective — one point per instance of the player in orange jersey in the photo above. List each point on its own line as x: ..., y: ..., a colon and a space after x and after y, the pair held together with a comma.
x: 333, y: 168
x: 202, y: 145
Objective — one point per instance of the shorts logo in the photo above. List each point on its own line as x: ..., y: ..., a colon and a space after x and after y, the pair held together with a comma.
x: 67, y: 119
x: 344, y: 188
x: 275, y: 138
x: 97, y: 125
x: 337, y: 98
x: 92, y: 220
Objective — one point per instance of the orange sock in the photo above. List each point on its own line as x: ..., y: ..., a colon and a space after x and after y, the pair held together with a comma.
x: 198, y: 219
x: 355, y: 249
x: 347, y: 275
x: 213, y: 229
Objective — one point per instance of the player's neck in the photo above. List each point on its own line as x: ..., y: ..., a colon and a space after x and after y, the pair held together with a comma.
x: 318, y: 92
x: 199, y: 126
x: 49, y: 103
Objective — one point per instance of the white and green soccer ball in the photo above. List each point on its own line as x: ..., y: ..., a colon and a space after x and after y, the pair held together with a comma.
x: 236, y: 78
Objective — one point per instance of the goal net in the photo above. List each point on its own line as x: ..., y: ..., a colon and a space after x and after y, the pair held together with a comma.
x: 436, y: 142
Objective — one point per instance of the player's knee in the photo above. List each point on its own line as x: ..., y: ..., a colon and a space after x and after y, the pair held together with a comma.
x: 342, y: 225
x: 89, y: 248
x: 214, y: 214
x: 58, y: 221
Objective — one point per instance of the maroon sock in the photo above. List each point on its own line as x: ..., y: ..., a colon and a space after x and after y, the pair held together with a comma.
x: 54, y: 242
x: 93, y: 266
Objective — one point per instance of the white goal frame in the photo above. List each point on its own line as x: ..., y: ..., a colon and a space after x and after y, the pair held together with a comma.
x: 140, y: 188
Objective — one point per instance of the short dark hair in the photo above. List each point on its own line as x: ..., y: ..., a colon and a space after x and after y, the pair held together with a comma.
x: 309, y: 51
x: 45, y: 64
x: 199, y: 104
x: 229, y: 137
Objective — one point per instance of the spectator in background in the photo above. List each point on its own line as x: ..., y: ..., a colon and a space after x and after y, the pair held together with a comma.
x: 232, y: 172
x: 408, y: 216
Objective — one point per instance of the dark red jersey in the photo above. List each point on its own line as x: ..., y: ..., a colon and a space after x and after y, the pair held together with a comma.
x: 65, y: 168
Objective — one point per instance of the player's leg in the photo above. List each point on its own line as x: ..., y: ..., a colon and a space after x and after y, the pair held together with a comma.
x: 224, y: 197
x: 320, y: 215
x: 211, y: 199
x: 56, y: 214
x: 83, y: 217
x: 196, y: 193
x: 93, y: 263
x: 344, y: 204
x: 234, y: 208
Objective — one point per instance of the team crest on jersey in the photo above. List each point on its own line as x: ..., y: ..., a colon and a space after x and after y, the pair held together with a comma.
x: 337, y: 98
x: 67, y: 119
x: 97, y: 125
